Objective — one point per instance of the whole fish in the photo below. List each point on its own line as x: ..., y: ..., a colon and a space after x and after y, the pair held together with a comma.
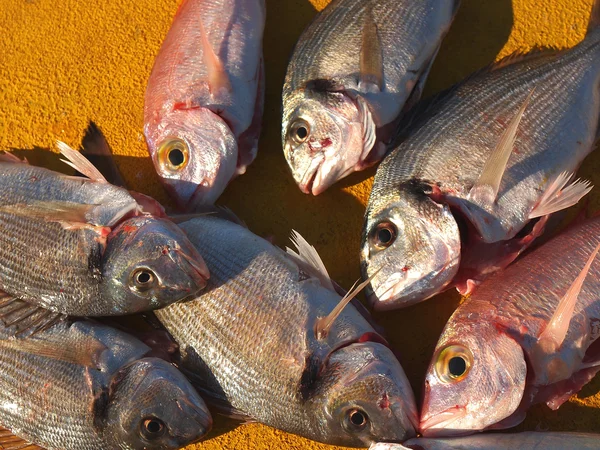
x: 77, y: 246
x: 451, y: 204
x: 527, y: 335
x: 87, y: 386
x: 356, y: 67
x: 529, y: 440
x: 261, y: 343
x: 205, y: 96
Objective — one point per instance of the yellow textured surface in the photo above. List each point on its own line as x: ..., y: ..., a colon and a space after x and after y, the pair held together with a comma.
x: 63, y: 63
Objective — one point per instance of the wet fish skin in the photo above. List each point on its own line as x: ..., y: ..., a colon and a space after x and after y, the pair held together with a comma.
x: 528, y: 440
x: 499, y: 326
x: 352, y: 72
x: 87, y: 386
x: 443, y: 156
x: 205, y: 98
x: 250, y: 341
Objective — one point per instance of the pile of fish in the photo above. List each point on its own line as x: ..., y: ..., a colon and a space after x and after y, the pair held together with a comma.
x: 468, y: 180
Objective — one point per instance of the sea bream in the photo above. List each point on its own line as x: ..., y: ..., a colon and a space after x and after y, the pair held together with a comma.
x: 81, y: 246
x: 86, y: 386
x: 528, y: 440
x: 528, y: 335
x: 204, y: 99
x: 479, y: 171
x: 270, y: 341
x: 354, y: 70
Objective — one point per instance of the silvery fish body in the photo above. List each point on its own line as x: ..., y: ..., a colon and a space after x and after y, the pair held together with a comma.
x: 528, y: 440
x: 353, y: 71
x: 82, y: 247
x: 491, y: 363
x: 431, y: 222
x: 85, y: 386
x: 204, y: 99
x: 251, y: 341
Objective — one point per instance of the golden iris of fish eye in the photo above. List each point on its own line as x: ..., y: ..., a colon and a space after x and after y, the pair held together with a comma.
x: 296, y: 133
x: 442, y: 364
x: 173, y: 155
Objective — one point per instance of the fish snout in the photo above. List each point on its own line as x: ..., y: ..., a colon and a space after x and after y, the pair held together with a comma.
x: 199, y: 414
x: 193, y: 265
x: 434, y: 425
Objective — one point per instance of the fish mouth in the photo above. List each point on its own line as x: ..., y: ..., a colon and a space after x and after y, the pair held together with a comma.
x: 199, y: 271
x: 198, y: 414
x: 307, y: 182
x: 436, y: 425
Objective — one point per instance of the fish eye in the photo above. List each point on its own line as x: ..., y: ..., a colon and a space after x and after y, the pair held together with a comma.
x: 356, y: 419
x: 384, y: 235
x: 453, y: 363
x: 173, y: 155
x: 143, y: 279
x: 152, y: 428
x: 299, y: 131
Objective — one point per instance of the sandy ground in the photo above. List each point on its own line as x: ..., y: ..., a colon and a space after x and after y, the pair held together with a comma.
x: 63, y: 63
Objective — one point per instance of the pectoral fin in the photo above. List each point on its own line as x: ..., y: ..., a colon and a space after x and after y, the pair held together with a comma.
x: 21, y: 319
x: 555, y: 331
x: 487, y: 186
x: 561, y: 194
x: 371, y: 60
x: 218, y: 80
x: 6, y: 157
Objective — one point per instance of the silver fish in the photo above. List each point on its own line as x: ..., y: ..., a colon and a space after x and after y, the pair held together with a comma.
x: 526, y: 336
x: 257, y: 342
x: 451, y: 204
x: 87, y: 386
x: 528, y: 440
x: 353, y: 71
x: 204, y: 99
x: 80, y: 246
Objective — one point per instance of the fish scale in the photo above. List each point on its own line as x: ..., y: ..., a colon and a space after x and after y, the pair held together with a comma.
x: 50, y: 386
x: 76, y: 252
x: 250, y: 339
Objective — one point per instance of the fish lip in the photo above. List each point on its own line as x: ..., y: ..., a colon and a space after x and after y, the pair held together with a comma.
x: 444, y: 418
x: 306, y: 184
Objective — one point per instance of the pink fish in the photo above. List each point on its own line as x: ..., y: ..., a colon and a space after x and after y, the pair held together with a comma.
x: 205, y: 96
x: 528, y: 335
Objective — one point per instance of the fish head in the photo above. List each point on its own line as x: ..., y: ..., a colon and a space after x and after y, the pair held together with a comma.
x: 152, y: 405
x: 410, y: 246
x: 365, y: 397
x: 476, y: 379
x: 150, y: 263
x: 323, y: 140
x: 194, y: 153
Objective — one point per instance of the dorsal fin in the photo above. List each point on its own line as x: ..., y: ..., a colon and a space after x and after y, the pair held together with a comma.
x: 309, y: 259
x: 10, y: 441
x: 217, y: 75
x: 487, y: 186
x: 371, y: 59
x: 554, y: 333
x: 80, y: 163
x: 323, y: 324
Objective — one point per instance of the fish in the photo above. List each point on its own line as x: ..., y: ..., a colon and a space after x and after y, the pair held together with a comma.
x: 205, y: 97
x: 528, y: 335
x: 478, y: 171
x: 355, y: 69
x: 82, y: 247
x: 528, y: 440
x: 83, y: 385
x: 270, y: 341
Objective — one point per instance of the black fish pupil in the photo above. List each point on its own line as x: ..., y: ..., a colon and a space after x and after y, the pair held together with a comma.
x: 384, y: 235
x: 457, y: 366
x: 153, y: 426
x: 301, y: 132
x: 143, y: 277
x: 176, y: 157
x: 357, y: 418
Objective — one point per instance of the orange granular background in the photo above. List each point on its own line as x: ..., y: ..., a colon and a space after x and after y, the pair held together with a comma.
x: 63, y: 63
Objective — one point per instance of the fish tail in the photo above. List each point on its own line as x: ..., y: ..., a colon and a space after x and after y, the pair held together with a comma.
x: 594, y: 22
